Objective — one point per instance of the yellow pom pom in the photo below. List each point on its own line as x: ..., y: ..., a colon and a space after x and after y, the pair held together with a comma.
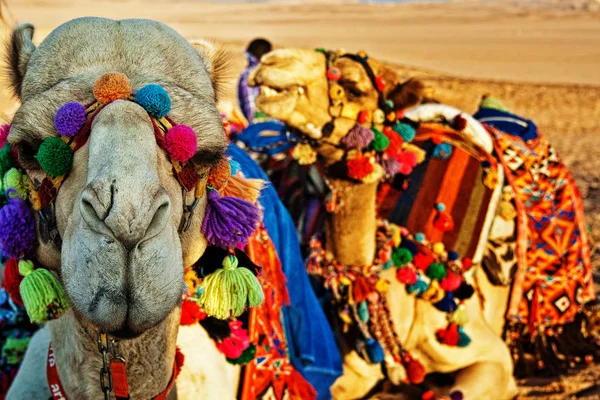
x: 304, y: 153
x: 382, y: 286
x: 111, y: 87
x: 438, y: 248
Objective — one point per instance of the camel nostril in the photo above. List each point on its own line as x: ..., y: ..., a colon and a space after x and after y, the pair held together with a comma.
x: 159, y: 220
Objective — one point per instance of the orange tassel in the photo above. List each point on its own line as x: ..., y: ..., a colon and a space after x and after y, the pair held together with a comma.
x: 220, y: 174
x: 242, y: 188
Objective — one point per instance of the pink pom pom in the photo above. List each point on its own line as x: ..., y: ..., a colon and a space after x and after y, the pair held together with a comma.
x: 4, y: 129
x: 406, y: 275
x: 233, y: 346
x: 181, y: 143
x: 451, y: 282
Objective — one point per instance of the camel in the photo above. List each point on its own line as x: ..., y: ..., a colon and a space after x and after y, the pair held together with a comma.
x: 119, y: 209
x: 297, y: 88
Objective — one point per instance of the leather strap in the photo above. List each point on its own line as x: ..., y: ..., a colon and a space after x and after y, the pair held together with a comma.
x: 56, y: 389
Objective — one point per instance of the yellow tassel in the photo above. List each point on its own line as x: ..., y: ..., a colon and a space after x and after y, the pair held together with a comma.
x: 242, y: 188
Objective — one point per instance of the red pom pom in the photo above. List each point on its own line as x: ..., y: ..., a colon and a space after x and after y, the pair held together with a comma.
x: 448, y: 336
x: 334, y: 74
x: 364, y: 116
x: 406, y: 275
x: 191, y: 313
x: 428, y: 395
x: 359, y: 167
x: 415, y: 372
x: 181, y: 143
x: 451, y: 282
x: 459, y: 123
x: 179, y: 360
x: 396, y: 142
x: 443, y: 222
x: 467, y: 263
x: 380, y: 83
x: 423, y: 259
x: 12, y: 280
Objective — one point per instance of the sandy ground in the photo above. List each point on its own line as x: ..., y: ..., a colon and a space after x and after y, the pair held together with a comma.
x: 541, y: 58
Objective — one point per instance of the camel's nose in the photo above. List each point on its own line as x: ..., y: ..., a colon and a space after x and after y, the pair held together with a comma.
x: 124, y: 211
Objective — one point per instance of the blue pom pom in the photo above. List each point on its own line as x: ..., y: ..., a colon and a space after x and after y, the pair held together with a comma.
x: 406, y: 131
x: 374, y: 351
x: 440, y: 206
x: 452, y: 256
x: 410, y: 246
x: 442, y: 151
x: 447, y: 304
x: 418, y: 288
x: 463, y: 339
x: 363, y: 311
x: 154, y: 99
x: 420, y: 237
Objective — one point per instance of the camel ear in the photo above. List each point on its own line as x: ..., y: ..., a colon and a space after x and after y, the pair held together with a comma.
x: 20, y: 48
x: 407, y: 94
x: 216, y: 60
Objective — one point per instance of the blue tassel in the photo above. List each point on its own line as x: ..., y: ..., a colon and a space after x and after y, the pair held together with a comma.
x: 463, y: 339
x: 447, y: 304
x: 363, y: 311
x: 374, y: 351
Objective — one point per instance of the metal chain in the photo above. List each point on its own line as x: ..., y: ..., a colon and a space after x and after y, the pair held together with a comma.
x: 105, y: 370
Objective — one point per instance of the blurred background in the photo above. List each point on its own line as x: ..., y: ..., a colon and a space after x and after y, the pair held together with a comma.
x: 542, y: 58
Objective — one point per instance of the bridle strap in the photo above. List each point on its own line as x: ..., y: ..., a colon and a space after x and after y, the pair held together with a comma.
x: 363, y: 61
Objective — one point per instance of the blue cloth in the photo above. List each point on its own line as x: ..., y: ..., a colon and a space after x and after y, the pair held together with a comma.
x: 507, y: 123
x: 269, y: 137
x: 247, y: 94
x: 312, y: 346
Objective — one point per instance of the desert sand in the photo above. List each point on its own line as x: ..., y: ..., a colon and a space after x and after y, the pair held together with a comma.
x: 542, y: 58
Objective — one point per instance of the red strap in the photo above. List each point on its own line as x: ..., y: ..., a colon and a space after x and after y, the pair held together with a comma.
x: 118, y: 370
x: 56, y: 389
x: 163, y: 395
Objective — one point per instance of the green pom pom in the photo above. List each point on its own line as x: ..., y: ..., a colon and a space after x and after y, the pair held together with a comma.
x: 6, y: 160
x: 228, y: 290
x: 43, y: 295
x: 13, y: 179
x: 14, y: 349
x: 436, y: 271
x: 380, y: 141
x: 246, y: 356
x: 492, y: 102
x: 55, y: 157
x: 401, y: 256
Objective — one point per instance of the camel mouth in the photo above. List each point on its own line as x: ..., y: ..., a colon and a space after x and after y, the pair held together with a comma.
x: 274, y: 94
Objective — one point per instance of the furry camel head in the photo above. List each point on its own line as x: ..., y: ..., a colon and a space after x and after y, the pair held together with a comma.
x: 118, y: 210
x: 295, y: 89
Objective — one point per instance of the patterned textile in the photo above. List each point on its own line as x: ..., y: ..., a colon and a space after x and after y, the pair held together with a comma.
x: 271, y: 375
x: 554, y: 276
x: 456, y: 181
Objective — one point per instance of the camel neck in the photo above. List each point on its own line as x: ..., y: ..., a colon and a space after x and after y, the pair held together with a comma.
x: 350, y: 232
x: 149, y: 358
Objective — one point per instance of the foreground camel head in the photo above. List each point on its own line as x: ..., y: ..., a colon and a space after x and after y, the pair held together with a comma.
x: 118, y: 211
x: 295, y: 89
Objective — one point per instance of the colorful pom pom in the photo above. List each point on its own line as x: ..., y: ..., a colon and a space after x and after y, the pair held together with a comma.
x: 228, y: 220
x: 12, y: 280
x: 380, y: 83
x: 451, y: 282
x: 43, y: 295
x: 111, y: 87
x: 380, y: 141
x: 69, y: 119
x: 452, y: 256
x: 245, y: 358
x: 401, y: 256
x: 417, y: 288
x: 17, y: 229
x: 364, y: 116
x: 442, y: 151
x: 391, y: 166
x: 456, y: 394
x: 358, y: 137
x: 459, y: 123
x: 406, y: 275
x: 154, y: 99
x: 420, y: 237
x: 459, y: 316
x: 334, y: 74
x: 55, y: 157
x: 374, y: 351
x: 359, y: 167
x: 396, y: 142
x: 378, y: 116
x: 448, y: 336
x: 436, y: 271
x: 191, y: 313
x: 423, y: 259
x: 4, y: 129
x: 440, y: 206
x: 181, y: 143
x: 438, y: 248
x: 415, y: 371
x: 363, y: 311
x: 463, y: 339
x: 406, y: 131
x: 443, y: 222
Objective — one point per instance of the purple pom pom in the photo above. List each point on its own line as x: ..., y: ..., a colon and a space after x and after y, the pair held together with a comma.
x: 391, y: 166
x: 69, y: 119
x: 359, y: 137
x: 456, y: 395
x: 17, y: 229
x: 228, y: 220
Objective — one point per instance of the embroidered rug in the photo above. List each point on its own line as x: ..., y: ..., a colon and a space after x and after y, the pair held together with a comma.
x: 553, y: 281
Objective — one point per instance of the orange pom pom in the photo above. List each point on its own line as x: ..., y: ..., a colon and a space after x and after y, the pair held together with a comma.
x: 111, y: 87
x: 359, y: 167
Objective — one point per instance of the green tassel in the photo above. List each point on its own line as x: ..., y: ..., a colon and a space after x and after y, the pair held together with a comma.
x: 380, y: 141
x: 14, y: 349
x: 245, y: 357
x: 228, y: 290
x: 43, y: 295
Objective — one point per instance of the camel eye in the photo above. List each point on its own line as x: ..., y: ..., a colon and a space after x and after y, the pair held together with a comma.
x: 27, y: 152
x: 351, y: 89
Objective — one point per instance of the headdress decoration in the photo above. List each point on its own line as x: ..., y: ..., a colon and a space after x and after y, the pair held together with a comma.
x: 231, y: 216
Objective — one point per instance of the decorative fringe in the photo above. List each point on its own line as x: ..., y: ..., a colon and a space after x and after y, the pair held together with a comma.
x: 228, y: 220
x: 43, y: 295
x: 243, y: 188
x: 227, y: 291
